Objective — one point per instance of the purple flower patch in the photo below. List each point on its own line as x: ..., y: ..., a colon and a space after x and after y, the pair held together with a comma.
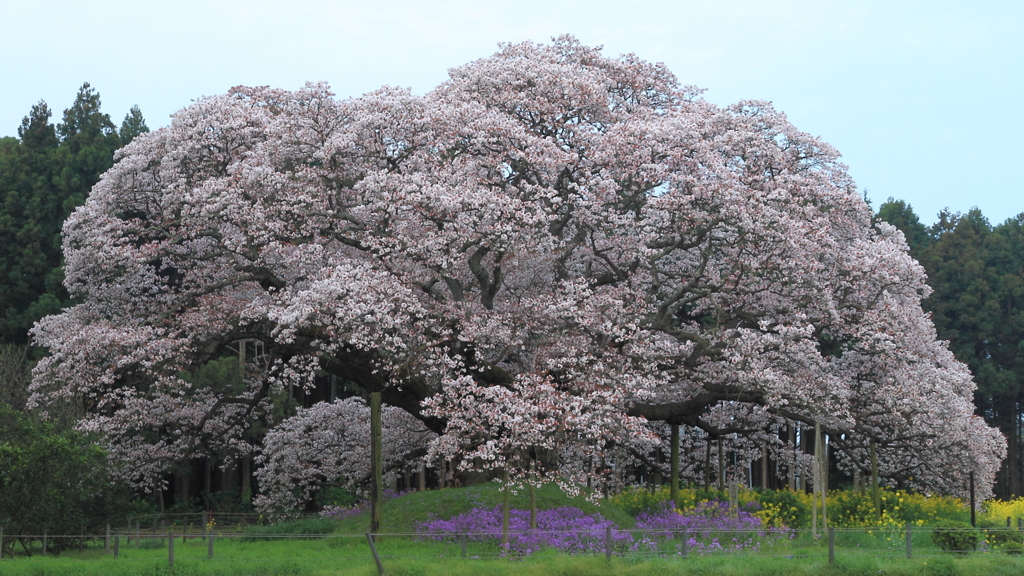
x: 566, y: 529
x: 711, y: 526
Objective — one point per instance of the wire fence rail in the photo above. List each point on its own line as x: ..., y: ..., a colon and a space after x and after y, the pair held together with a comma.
x: 189, y: 541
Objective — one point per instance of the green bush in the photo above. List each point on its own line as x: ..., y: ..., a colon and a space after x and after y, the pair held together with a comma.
x: 786, y: 506
x: 1013, y: 547
x: 53, y: 480
x: 956, y: 537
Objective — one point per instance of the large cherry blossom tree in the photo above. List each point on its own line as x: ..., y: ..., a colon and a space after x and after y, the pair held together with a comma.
x: 538, y: 259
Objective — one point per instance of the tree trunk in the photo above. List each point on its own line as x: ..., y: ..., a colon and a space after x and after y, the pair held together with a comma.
x: 246, y: 479
x: 792, y: 469
x: 764, y: 467
x: 208, y: 475
x: 707, y: 464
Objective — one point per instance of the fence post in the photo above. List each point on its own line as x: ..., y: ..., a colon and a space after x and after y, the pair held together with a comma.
x: 1, y: 542
x: 974, y: 523
x: 684, y: 549
x: 608, y: 543
x: 170, y: 549
x: 1008, y: 522
x: 138, y: 532
x: 117, y: 543
x: 909, y: 535
x: 463, y: 540
x: 81, y: 541
x: 373, y: 549
x: 44, y: 542
x: 106, y: 539
x: 831, y: 545
x: 209, y: 545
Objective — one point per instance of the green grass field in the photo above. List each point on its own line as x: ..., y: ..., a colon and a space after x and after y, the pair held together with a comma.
x: 340, y: 548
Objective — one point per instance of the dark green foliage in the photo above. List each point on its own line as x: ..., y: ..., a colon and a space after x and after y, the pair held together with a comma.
x: 133, y: 125
x: 15, y: 375
x: 1000, y: 537
x: 46, y: 173
x: 941, y: 567
x: 307, y: 527
x: 1013, y: 548
x: 52, y: 480
x: 976, y: 272
x: 901, y: 215
x: 956, y: 537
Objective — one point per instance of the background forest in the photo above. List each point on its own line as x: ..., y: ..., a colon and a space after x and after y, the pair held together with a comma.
x: 975, y: 269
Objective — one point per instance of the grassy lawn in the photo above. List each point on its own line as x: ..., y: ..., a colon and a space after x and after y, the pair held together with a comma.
x: 340, y: 548
x: 351, y: 557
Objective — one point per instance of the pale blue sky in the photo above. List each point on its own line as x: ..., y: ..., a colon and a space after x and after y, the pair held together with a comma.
x: 921, y: 97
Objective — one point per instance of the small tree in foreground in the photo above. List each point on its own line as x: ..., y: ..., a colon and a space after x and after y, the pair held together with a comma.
x: 51, y: 481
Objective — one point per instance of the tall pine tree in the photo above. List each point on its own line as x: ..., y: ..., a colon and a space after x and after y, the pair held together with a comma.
x: 45, y: 174
x: 977, y: 274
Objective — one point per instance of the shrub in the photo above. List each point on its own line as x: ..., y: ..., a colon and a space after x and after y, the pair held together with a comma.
x: 635, y: 500
x: 1013, y: 547
x: 956, y: 537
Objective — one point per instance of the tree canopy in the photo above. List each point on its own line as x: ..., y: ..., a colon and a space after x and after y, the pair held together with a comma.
x: 544, y: 255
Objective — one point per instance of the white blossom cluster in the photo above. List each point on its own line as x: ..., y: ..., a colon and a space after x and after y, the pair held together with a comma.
x: 327, y: 445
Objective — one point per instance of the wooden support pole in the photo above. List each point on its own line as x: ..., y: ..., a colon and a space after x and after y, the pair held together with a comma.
x: 764, y: 466
x: 974, y: 520
x: 674, y: 466
x: 721, y: 465
x: 875, y: 494
x: 791, y: 432
x: 831, y: 545
x: 823, y: 471
x: 815, y: 482
x: 506, y: 502
x: 376, y: 463
x: 608, y: 544
x: 373, y: 550
x: 533, y: 496
x: 909, y: 541
x: 707, y: 464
